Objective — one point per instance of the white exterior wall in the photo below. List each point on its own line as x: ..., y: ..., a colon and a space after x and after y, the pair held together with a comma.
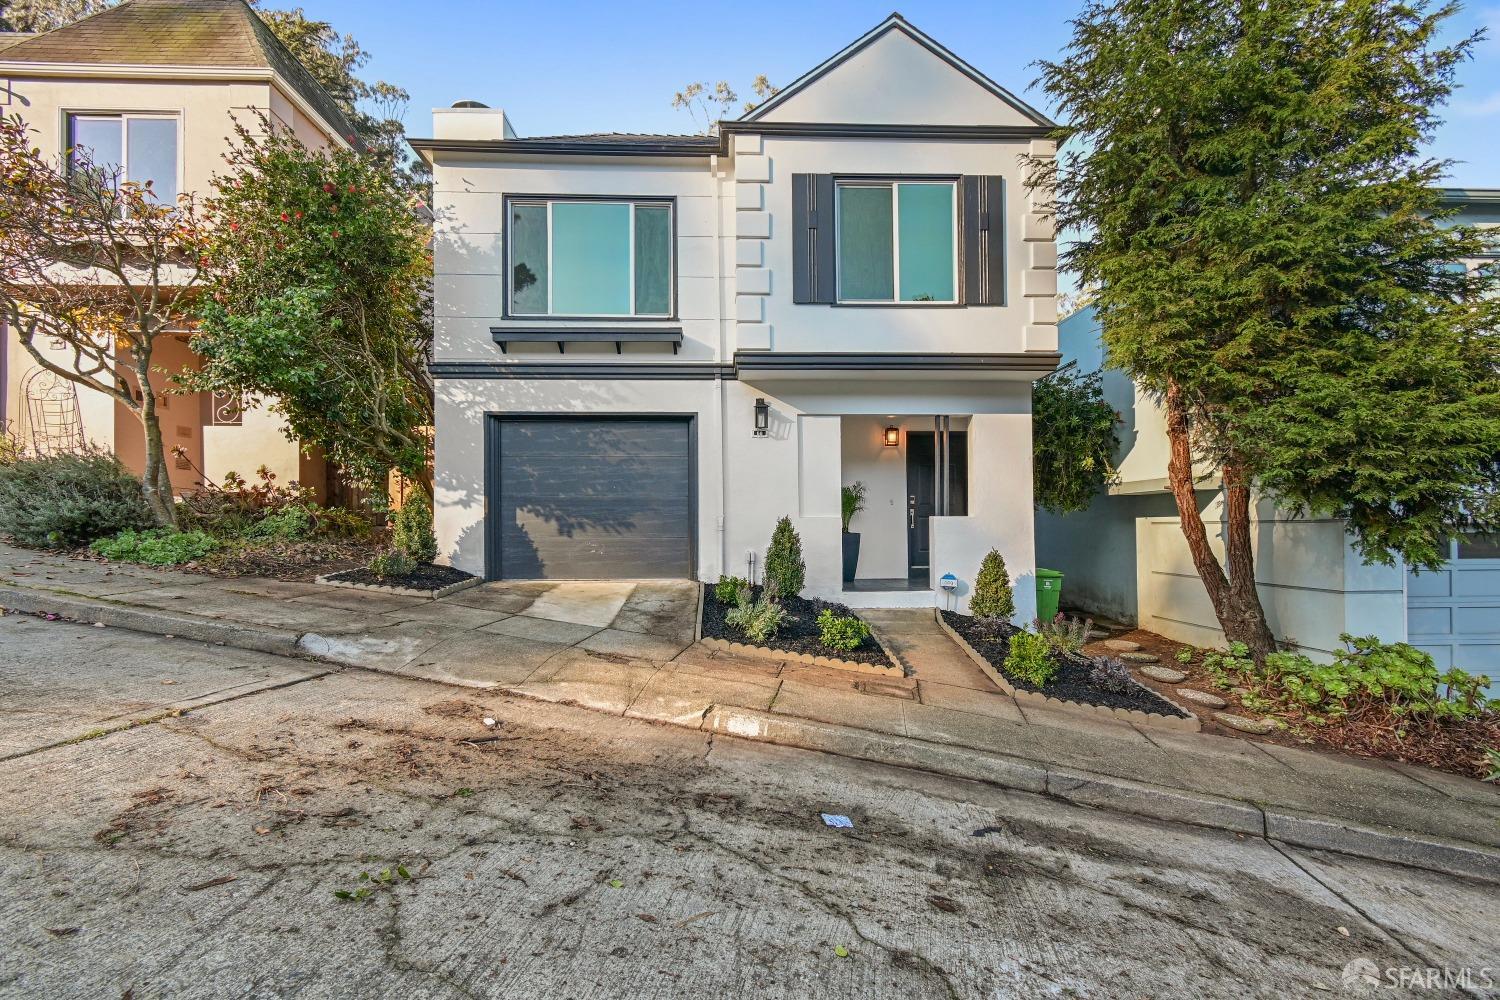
x: 733, y: 266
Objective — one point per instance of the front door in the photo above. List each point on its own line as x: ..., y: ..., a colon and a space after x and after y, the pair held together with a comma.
x: 921, y: 492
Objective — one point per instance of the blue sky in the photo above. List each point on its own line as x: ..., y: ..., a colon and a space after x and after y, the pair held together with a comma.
x: 564, y: 67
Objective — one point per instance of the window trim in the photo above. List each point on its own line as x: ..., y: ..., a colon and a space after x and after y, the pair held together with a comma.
x: 123, y: 115
x: 509, y: 200
x: 892, y: 181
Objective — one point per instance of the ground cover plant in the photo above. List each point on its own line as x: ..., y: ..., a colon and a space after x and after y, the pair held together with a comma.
x: 1373, y: 699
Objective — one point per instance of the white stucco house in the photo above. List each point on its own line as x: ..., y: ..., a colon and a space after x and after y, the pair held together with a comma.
x: 650, y: 348
x: 1125, y: 557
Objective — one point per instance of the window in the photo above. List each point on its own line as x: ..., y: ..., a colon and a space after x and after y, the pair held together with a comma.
x: 137, y: 148
x: 897, y: 241
x: 590, y: 258
x: 1478, y: 546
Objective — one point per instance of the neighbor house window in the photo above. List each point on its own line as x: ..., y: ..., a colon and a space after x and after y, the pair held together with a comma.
x: 137, y: 148
x: 590, y: 258
x: 897, y: 241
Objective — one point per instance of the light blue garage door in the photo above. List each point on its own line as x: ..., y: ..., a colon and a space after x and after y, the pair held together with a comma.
x: 1454, y: 613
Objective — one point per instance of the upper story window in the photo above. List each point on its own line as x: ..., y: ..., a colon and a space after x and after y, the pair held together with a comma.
x: 128, y: 147
x: 586, y: 257
x: 897, y: 241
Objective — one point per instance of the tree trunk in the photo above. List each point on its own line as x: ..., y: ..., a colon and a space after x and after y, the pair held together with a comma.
x: 156, y: 480
x: 1244, y: 599
x: 1234, y: 597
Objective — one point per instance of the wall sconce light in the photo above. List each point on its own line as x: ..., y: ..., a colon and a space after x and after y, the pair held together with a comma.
x: 762, y: 418
x: 892, y: 436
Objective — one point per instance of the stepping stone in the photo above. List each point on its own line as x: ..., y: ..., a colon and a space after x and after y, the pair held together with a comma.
x: 1140, y: 657
x: 1255, y: 727
x: 1202, y: 698
x: 1121, y: 645
x: 1164, y: 674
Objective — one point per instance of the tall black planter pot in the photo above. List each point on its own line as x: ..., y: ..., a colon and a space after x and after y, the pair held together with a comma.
x: 851, y: 555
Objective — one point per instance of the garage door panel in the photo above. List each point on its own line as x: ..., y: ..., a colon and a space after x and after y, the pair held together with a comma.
x: 1429, y: 621
x: 1476, y: 582
x: 1476, y: 620
x: 578, y: 476
x: 592, y: 498
x: 626, y: 438
x: 1431, y: 584
x: 594, y: 557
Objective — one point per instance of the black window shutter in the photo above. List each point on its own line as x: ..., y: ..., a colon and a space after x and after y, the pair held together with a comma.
x: 813, y: 261
x: 984, y: 240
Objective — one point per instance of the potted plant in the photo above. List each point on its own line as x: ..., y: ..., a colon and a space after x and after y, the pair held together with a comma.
x: 853, y: 501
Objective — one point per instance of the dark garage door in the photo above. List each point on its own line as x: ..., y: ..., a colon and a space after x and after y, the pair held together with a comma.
x: 590, y: 498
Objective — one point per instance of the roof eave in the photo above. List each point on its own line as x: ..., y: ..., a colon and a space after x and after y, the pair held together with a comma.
x: 896, y: 22
x: 133, y: 71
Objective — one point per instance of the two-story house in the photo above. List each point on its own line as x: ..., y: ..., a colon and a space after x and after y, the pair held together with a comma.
x: 650, y: 348
x: 154, y: 88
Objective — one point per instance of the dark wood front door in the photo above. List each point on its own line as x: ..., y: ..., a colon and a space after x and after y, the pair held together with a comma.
x: 921, y: 492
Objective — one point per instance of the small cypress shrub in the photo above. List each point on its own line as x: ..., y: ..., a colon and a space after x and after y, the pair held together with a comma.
x: 785, y: 569
x: 411, y: 530
x: 993, y: 597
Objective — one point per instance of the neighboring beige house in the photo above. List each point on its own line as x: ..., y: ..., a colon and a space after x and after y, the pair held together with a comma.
x: 155, y: 87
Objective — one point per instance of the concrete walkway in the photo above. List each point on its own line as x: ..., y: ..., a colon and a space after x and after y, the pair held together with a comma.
x: 626, y: 648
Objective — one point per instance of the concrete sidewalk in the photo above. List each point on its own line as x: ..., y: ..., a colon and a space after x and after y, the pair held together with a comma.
x: 627, y: 649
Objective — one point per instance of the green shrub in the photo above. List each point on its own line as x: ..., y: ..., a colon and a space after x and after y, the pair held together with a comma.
x: 236, y: 508
x: 1391, y: 679
x: 411, y: 529
x: 62, y: 501
x: 288, y: 523
x: 727, y: 590
x: 992, y: 594
x: 785, y: 569
x: 157, y: 547
x: 841, y: 632
x: 1066, y: 635
x: 340, y: 522
x: 1031, y: 658
x: 392, y: 562
x: 759, y: 618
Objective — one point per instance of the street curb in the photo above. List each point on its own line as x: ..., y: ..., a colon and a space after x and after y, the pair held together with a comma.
x: 1432, y: 853
x: 258, y: 638
x: 1119, y: 795
x: 1082, y: 788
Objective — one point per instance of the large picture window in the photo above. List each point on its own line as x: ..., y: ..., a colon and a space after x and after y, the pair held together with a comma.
x: 125, y: 147
x: 897, y: 241
x: 590, y: 258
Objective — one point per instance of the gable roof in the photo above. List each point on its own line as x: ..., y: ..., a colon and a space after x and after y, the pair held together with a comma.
x: 896, y: 23
x: 219, y: 34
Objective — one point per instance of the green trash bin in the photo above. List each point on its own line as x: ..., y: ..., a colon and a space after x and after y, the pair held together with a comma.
x: 1048, y: 593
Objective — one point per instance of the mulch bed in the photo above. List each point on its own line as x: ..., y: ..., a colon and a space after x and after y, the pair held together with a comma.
x: 298, y: 561
x: 425, y: 577
x: 1070, y: 683
x: 1456, y: 747
x: 799, y: 633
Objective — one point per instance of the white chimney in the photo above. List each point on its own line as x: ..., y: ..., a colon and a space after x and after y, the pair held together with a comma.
x: 471, y: 120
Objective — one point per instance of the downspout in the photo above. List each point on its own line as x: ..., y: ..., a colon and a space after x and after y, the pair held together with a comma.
x: 721, y: 351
